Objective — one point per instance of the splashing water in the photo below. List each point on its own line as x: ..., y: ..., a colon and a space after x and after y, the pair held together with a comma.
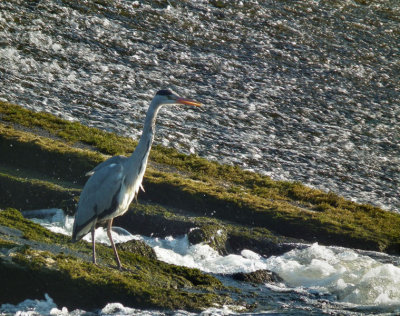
x: 350, y: 278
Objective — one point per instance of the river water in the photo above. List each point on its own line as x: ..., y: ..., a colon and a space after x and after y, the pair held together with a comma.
x: 297, y: 90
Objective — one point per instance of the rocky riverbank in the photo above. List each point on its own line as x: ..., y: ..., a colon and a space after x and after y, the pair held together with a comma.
x: 43, y: 160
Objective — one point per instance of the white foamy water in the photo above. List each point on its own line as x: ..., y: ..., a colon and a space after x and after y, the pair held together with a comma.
x: 48, y: 307
x: 34, y: 307
x: 343, y: 277
x: 343, y: 273
x: 171, y: 250
x: 351, y: 277
x: 179, y: 251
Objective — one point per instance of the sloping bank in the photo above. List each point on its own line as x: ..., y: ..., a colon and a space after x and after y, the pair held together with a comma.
x: 43, y: 160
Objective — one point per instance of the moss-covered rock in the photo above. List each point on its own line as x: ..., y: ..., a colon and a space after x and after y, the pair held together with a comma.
x: 34, y: 261
x: 158, y: 221
x: 43, y: 162
x: 151, y: 219
x: 24, y: 193
x: 138, y: 247
x: 194, y: 185
x: 45, y: 157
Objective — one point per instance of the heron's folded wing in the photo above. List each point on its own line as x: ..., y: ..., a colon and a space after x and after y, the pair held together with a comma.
x: 100, y: 194
x: 113, y: 160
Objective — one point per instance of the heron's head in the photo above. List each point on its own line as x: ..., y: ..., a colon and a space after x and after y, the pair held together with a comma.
x: 165, y: 97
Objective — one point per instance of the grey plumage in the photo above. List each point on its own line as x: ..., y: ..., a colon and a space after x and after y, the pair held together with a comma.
x: 114, y: 183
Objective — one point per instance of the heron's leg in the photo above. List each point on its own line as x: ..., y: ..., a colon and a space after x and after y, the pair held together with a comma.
x: 93, y: 245
x: 112, y: 243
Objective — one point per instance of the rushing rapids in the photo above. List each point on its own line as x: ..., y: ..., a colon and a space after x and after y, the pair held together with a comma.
x: 316, y: 279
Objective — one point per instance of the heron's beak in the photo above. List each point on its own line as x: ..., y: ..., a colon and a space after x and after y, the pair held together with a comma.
x: 188, y: 102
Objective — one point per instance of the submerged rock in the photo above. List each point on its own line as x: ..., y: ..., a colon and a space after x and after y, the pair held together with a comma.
x: 257, y: 277
x: 263, y: 245
x: 213, y: 235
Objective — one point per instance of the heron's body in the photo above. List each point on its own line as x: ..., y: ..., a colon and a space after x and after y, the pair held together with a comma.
x: 115, y: 182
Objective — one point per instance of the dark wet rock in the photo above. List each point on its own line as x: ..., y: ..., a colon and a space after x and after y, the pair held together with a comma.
x: 213, y: 235
x: 138, y: 247
x: 273, y: 246
x: 22, y: 193
x: 42, y: 214
x: 8, y: 231
x: 257, y: 277
x: 153, y: 220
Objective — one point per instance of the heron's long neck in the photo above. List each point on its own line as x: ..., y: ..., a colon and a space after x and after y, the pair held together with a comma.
x: 138, y: 159
x: 148, y: 130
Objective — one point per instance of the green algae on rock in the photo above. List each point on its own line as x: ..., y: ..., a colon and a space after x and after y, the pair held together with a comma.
x: 37, y: 262
x: 202, y: 188
x: 23, y: 193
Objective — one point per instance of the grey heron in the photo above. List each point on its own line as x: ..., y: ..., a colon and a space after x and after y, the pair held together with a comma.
x: 115, y: 182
